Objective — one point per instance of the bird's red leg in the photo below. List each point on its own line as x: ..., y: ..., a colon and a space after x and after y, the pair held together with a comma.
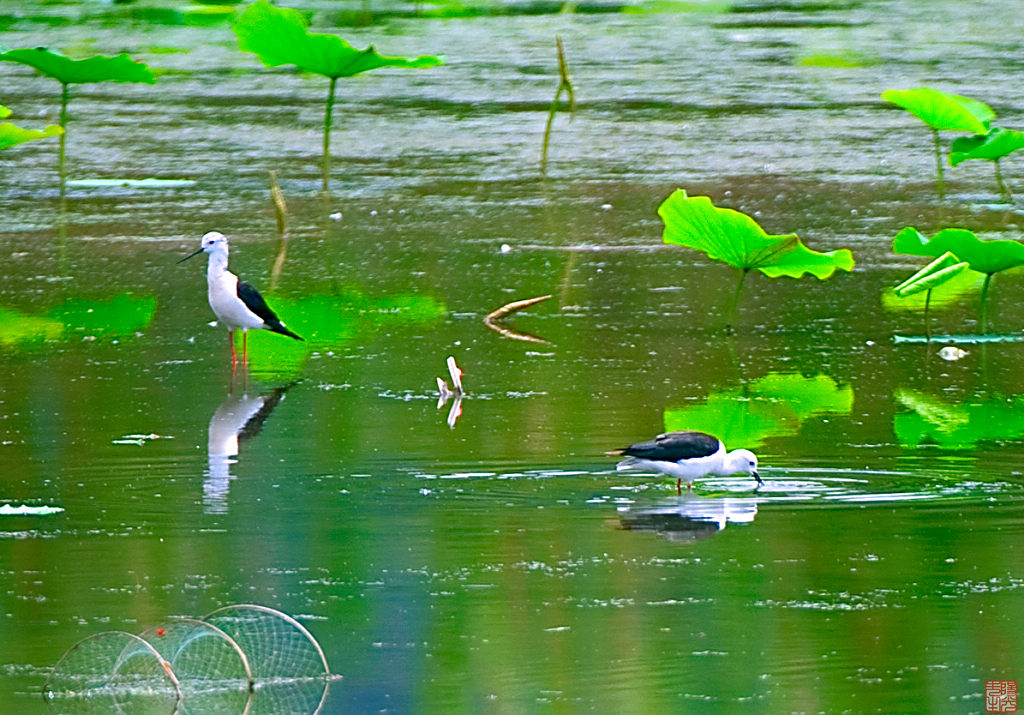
x: 679, y: 485
x: 234, y: 356
x: 245, y: 348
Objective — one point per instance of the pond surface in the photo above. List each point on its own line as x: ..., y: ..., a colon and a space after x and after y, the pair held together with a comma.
x: 500, y: 563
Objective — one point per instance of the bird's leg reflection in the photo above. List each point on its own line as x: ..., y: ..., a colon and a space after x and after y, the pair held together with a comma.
x: 238, y: 418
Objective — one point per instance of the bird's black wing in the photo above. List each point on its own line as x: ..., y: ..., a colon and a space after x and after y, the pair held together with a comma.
x: 254, y: 302
x: 673, y: 446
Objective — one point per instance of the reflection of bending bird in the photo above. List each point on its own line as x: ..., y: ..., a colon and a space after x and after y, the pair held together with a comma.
x: 687, y: 456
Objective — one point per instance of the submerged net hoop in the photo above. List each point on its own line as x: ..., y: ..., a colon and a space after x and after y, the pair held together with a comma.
x: 106, y: 670
x: 277, y: 646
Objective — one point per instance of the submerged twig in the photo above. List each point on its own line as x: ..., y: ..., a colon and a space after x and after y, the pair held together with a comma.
x: 564, y: 85
x: 508, y: 308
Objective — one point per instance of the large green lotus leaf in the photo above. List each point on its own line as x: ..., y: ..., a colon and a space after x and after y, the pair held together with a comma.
x: 279, y: 36
x: 4, y: 112
x: 120, y: 316
x: 942, y: 111
x: 12, y: 135
x: 992, y: 146
x: 735, y: 238
x: 65, y: 70
x: 957, y: 426
x: 981, y: 256
x: 773, y: 406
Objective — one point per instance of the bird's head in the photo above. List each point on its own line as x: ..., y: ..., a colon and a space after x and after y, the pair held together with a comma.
x: 744, y: 461
x: 211, y: 242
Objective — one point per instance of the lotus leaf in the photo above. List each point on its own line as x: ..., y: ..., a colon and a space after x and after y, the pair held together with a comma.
x: 942, y: 269
x: 992, y: 146
x: 280, y: 36
x: 4, y: 112
x: 12, y: 135
x: 982, y: 256
x: 942, y: 111
x: 738, y: 240
x: 65, y: 70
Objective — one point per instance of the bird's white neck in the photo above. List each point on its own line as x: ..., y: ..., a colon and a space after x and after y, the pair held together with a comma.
x: 218, y: 264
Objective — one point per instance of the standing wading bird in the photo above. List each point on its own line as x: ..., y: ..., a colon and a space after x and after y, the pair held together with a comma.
x: 686, y: 456
x: 235, y: 303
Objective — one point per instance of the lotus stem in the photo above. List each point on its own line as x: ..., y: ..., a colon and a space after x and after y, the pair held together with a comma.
x: 326, y: 165
x: 61, y: 172
x: 731, y: 315
x: 1004, y: 188
x: 984, y: 303
x: 938, y: 165
x: 927, y: 325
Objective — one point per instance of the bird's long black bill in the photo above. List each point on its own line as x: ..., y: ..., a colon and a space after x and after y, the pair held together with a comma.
x: 195, y: 253
x: 758, y: 478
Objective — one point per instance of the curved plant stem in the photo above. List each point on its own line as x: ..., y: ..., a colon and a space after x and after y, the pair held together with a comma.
x: 326, y: 162
x: 984, y: 303
x: 731, y: 315
x: 938, y: 165
x: 1003, y: 188
x: 564, y: 85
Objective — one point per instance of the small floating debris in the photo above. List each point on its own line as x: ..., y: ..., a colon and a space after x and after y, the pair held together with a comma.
x: 952, y: 353
x: 491, y: 320
x: 959, y: 339
x: 26, y: 510
x: 138, y: 439
x: 455, y: 391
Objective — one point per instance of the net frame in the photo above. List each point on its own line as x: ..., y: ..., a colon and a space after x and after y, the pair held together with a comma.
x: 179, y: 643
x: 102, y: 683
x: 264, y: 658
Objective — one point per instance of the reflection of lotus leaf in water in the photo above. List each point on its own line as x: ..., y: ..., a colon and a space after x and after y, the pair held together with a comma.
x: 332, y: 322
x: 773, y: 406
x: 120, y: 316
x: 963, y: 426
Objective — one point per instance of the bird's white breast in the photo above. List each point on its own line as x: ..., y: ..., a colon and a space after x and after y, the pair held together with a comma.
x: 227, y: 306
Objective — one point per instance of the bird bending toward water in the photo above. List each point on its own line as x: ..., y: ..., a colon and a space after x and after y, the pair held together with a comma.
x: 686, y: 456
x: 236, y: 304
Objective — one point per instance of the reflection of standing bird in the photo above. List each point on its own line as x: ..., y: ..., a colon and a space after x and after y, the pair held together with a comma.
x: 686, y: 456
x: 235, y: 303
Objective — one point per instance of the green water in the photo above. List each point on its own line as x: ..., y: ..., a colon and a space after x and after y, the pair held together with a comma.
x: 502, y: 564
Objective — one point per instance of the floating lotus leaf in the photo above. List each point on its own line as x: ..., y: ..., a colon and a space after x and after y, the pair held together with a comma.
x: 735, y: 238
x: 942, y: 269
x: 982, y: 256
x: 4, y: 112
x: 991, y: 147
x: 280, y: 36
x: 122, y: 315
x: 773, y: 406
x: 65, y: 70
x: 952, y: 290
x: 12, y: 135
x: 942, y: 111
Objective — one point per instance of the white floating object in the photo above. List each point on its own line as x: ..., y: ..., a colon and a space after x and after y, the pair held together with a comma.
x: 951, y: 353
x: 336, y: 216
x: 456, y: 372
x: 25, y: 510
x: 505, y: 248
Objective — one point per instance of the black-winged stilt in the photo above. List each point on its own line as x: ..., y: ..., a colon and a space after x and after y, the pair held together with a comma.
x: 236, y: 304
x: 686, y: 456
